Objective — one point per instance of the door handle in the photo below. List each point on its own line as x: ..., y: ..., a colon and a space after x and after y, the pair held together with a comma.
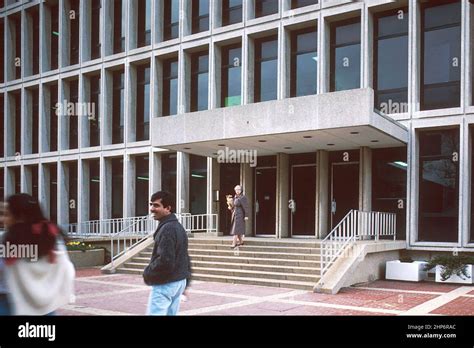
x: 257, y: 207
x: 333, y: 207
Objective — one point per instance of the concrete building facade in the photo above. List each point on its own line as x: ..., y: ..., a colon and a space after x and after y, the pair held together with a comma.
x: 315, y: 107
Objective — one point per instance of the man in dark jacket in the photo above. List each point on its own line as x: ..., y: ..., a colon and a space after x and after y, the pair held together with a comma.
x: 169, y: 267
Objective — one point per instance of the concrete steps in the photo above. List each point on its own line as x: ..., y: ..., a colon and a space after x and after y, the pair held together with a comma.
x: 267, y: 262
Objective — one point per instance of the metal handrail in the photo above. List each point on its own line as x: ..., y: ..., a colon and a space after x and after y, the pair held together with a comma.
x: 355, y: 226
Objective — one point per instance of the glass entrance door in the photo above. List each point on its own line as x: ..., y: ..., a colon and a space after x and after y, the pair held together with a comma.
x: 344, y: 190
x: 303, y: 200
x: 265, y: 201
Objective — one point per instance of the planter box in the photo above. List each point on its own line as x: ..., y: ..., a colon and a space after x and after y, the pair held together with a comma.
x: 88, y: 258
x: 454, y: 278
x: 408, y: 271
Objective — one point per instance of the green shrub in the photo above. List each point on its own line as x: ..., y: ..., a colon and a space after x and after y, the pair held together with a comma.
x: 451, y: 265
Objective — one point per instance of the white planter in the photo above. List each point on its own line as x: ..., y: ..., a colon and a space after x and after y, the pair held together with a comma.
x: 454, y: 278
x: 408, y: 271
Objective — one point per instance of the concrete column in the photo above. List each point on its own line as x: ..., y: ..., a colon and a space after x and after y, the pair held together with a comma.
x: 26, y: 182
x: 83, y: 191
x: 282, y: 196
x: 105, y: 188
x: 108, y: 15
x: 464, y: 184
x: 366, y: 47
x: 27, y: 122
x: 63, y: 119
x: 213, y: 185
x: 247, y: 178
x: 155, y: 172
x: 63, y: 46
x: 82, y: 122
x: 128, y: 186
x: 365, y: 179
x: 24, y: 124
x: 322, y: 193
x: 63, y: 193
x: 246, y: 81
x: 107, y: 98
x: 182, y: 182
x: 43, y: 188
x: 324, y: 56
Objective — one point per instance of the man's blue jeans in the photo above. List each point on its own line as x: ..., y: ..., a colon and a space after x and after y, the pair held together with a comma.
x: 165, y: 299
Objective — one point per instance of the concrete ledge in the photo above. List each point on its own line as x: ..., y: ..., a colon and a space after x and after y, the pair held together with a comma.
x: 363, y: 262
x: 87, y: 258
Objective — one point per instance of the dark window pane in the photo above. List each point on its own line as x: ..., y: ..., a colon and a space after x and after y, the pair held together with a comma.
x: 168, y: 173
x: 391, y: 64
x: 94, y: 122
x: 118, y: 108
x: 345, y: 55
x: 304, y: 63
x: 117, y: 188
x: 197, y: 184
x: 2, y: 53
x: 439, y: 186
x: 200, y: 15
x: 53, y: 135
x: 231, y: 75
x: 95, y: 29
x: 72, y: 202
x: 441, y: 57
x: 54, y: 36
x: 199, y: 81
x: 144, y: 23
x: 141, y: 185
x: 266, y: 69
x: 73, y: 119
x: 94, y: 189
x: 265, y: 7
x: 301, y: 3
x: 119, y: 25
x: 231, y: 12
x: 17, y: 99
x: 471, y: 240
x: 53, y: 192
x: 34, y: 182
x: 170, y: 87
x: 171, y: 19
x: 2, y: 130
x: 143, y: 103
x: 74, y: 32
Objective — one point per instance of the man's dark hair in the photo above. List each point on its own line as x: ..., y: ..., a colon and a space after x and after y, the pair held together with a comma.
x: 167, y: 199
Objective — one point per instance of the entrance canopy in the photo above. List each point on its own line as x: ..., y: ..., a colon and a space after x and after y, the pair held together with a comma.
x: 333, y: 121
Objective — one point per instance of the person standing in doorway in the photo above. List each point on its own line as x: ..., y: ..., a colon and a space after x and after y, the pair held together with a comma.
x: 240, y: 214
x: 169, y: 270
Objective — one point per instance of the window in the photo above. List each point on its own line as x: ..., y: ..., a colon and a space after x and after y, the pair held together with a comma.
x: 199, y: 81
x: 95, y: 29
x: 17, y: 179
x: 74, y: 21
x: 231, y: 91
x: 144, y: 23
x: 34, y: 120
x: 170, y: 87
x: 54, y: 10
x: 94, y: 189
x: 389, y: 190
x: 441, y: 56
x: 265, y: 7
x: 266, y: 69
x: 17, y: 131
x: 120, y: 18
x: 117, y: 188
x: 197, y: 184
x: 171, y: 20
x: 345, y: 55
x: 118, y: 118
x: 53, y: 118
x: 35, y: 29
x: 302, y: 3
x: 94, y: 122
x: 2, y: 187
x: 143, y: 103
x: 304, y: 62
x: 15, y: 29
x: 168, y: 172
x: 34, y: 181
x: 73, y: 119
x: 391, y: 61
x: 142, y: 179
x: 200, y: 15
x: 438, y: 185
x: 2, y: 52
x: 2, y: 128
x: 53, y: 192
x: 72, y: 190
x: 231, y: 12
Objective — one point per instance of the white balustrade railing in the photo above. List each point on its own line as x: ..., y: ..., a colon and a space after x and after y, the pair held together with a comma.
x: 356, y: 225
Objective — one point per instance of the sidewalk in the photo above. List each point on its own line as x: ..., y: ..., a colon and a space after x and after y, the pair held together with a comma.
x: 124, y: 294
